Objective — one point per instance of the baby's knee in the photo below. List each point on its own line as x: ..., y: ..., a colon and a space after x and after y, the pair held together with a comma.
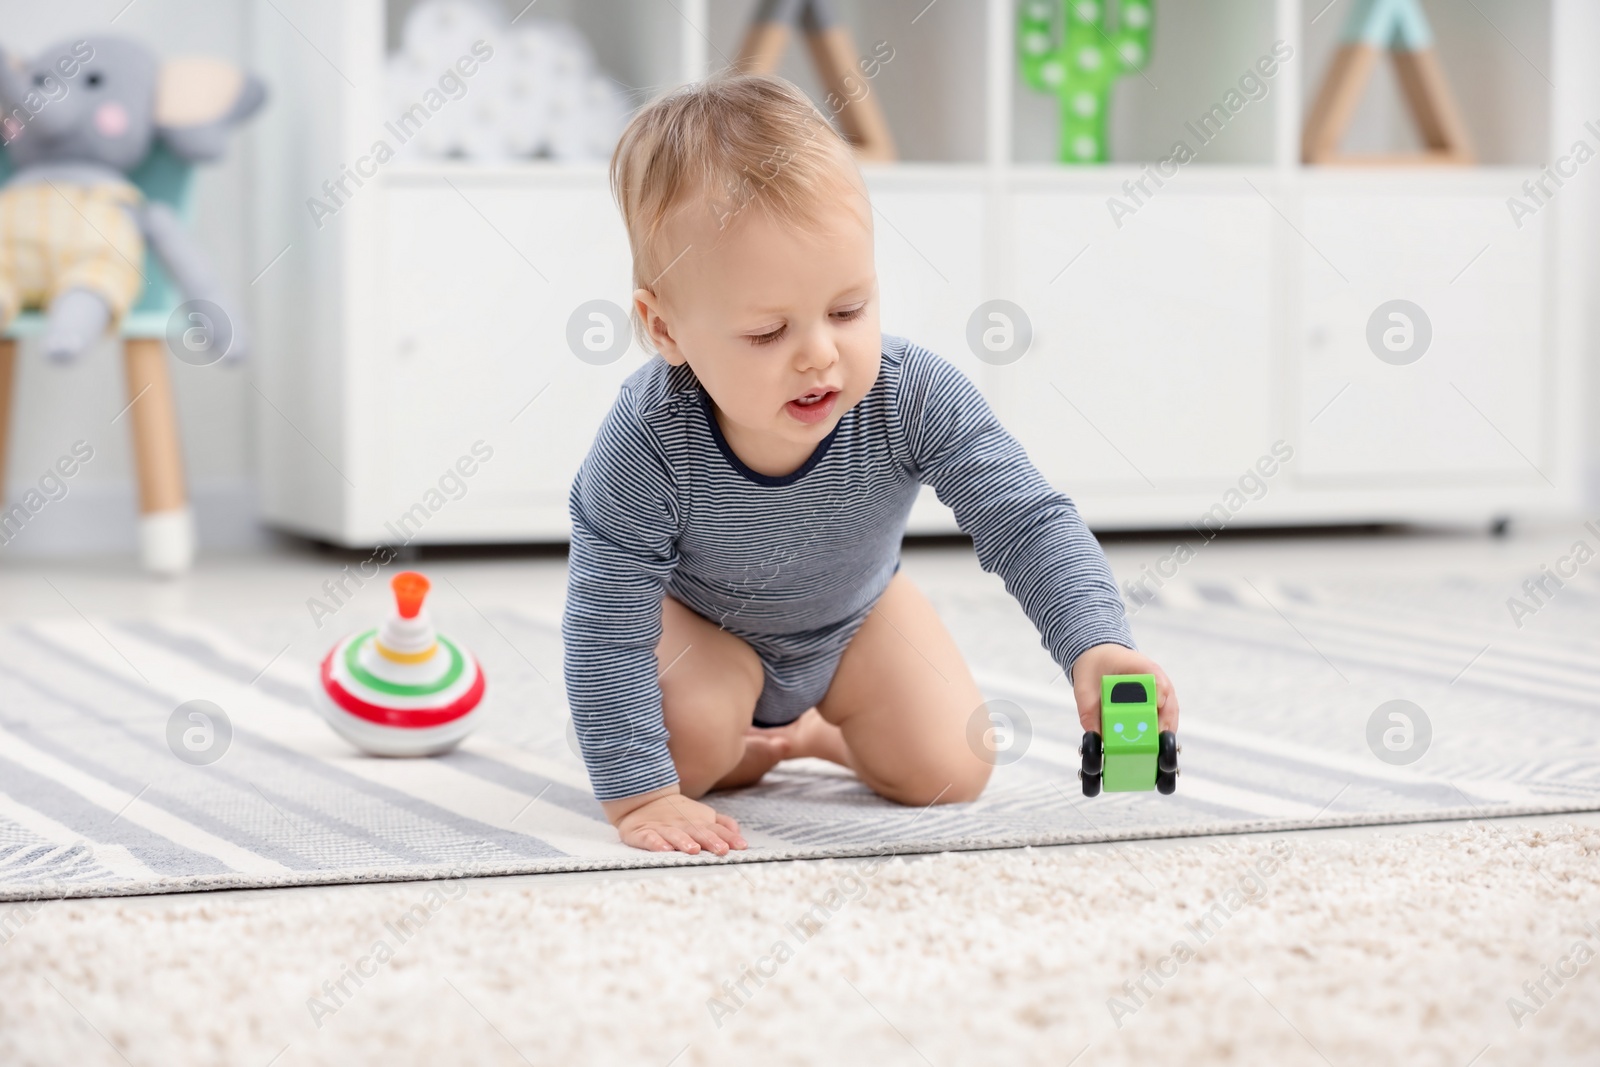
x: 703, y: 756
x: 967, y: 782
x: 959, y: 783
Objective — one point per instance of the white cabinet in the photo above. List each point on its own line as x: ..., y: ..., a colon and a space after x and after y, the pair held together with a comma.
x: 929, y: 243
x: 481, y: 279
x: 1459, y: 389
x: 1228, y: 312
x: 1152, y: 360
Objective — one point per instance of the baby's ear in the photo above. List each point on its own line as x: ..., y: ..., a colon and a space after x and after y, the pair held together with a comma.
x: 198, y: 100
x: 647, y: 309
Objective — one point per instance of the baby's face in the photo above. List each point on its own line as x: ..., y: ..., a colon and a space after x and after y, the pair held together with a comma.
x: 765, y: 315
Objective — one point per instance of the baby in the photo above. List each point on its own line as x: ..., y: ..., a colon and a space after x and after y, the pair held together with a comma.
x: 735, y: 595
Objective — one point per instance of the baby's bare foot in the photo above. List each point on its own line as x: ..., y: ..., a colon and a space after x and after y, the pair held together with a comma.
x: 766, y: 746
x: 812, y: 735
x: 762, y: 752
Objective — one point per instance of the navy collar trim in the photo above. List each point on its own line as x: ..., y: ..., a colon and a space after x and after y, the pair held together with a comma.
x: 756, y: 476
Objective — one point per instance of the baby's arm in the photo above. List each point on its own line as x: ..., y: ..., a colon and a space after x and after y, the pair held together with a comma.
x: 1023, y: 529
x: 625, y: 520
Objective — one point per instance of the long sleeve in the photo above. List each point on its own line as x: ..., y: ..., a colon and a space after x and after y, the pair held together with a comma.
x: 625, y: 520
x: 1022, y: 528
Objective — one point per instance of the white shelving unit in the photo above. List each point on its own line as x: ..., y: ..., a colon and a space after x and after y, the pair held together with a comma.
x: 1170, y: 353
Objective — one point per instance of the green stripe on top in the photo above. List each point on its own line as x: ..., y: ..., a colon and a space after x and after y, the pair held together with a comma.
x: 352, y: 663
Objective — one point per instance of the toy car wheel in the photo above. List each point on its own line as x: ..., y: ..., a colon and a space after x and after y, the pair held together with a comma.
x: 1092, y: 749
x: 1091, y: 784
x: 1167, y: 754
x: 1166, y: 782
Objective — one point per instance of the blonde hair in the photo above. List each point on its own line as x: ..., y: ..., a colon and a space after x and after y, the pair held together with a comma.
x: 728, y: 141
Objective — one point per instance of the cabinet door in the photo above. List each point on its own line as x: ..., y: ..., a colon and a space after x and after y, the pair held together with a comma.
x: 930, y: 255
x: 1150, y: 365
x: 483, y: 279
x: 1464, y: 411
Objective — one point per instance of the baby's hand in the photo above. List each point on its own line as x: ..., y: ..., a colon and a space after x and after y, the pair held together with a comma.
x: 1101, y: 660
x: 672, y: 821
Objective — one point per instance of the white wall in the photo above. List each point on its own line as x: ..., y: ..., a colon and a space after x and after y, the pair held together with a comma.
x: 55, y: 406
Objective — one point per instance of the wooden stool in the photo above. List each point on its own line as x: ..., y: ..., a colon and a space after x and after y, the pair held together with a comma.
x: 166, y: 522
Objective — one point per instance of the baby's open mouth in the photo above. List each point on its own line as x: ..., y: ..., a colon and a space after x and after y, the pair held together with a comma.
x: 814, y: 407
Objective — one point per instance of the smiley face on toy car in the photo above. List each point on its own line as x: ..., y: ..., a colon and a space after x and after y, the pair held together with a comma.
x: 1131, y: 736
x: 1130, y: 753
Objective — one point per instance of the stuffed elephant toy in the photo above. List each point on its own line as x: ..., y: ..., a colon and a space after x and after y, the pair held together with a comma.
x: 78, y: 118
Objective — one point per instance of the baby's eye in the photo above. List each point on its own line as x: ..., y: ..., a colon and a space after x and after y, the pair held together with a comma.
x: 854, y: 314
x: 769, y: 337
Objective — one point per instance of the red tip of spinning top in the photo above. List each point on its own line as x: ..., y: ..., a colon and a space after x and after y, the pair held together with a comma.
x: 409, y: 589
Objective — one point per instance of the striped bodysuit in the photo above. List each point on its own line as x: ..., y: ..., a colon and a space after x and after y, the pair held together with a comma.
x: 793, y: 564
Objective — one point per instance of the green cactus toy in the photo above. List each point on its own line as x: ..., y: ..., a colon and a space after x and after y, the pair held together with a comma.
x: 1130, y: 753
x: 1083, y: 64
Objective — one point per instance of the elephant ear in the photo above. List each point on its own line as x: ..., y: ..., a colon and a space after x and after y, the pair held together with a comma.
x: 198, y: 100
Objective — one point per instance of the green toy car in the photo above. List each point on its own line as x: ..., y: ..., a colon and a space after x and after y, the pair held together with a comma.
x: 1129, y: 754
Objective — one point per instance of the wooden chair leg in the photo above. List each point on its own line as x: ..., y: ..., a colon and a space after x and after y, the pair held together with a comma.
x: 8, y: 370
x: 166, y: 524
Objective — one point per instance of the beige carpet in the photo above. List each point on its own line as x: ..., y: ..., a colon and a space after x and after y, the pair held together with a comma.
x: 1394, y: 947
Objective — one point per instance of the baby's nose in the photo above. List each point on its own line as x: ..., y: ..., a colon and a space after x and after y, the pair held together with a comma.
x: 819, y: 354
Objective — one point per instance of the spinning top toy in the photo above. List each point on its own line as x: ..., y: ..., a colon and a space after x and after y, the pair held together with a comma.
x: 402, y: 689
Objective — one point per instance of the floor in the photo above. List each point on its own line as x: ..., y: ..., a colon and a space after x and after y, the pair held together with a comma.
x: 236, y: 977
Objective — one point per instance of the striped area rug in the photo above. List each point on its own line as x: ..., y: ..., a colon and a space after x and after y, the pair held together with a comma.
x: 1279, y: 688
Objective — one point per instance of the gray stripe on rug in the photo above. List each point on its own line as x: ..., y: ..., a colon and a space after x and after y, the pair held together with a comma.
x: 469, y: 830
x: 54, y: 800
x: 26, y: 853
x: 204, y: 655
x: 147, y: 790
x: 208, y: 657
x: 1199, y: 743
x: 1244, y: 635
x: 226, y: 831
x: 577, y: 801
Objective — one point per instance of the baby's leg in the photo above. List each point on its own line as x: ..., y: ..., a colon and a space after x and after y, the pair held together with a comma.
x: 903, y: 698
x: 710, y: 682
